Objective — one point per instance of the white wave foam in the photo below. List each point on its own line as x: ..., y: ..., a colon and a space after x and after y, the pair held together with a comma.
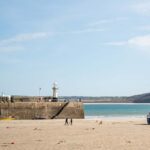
x: 115, y: 117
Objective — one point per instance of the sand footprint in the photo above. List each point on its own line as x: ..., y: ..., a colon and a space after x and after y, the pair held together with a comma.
x: 61, y: 141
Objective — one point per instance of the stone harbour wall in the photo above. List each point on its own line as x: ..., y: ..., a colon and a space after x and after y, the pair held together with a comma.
x: 42, y: 110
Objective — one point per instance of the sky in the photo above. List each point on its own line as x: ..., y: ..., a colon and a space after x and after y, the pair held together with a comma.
x: 89, y: 47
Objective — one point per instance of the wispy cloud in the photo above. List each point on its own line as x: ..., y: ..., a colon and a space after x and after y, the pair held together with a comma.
x: 107, y: 21
x: 100, y: 22
x: 11, y: 44
x: 10, y: 48
x: 88, y: 30
x: 116, y: 43
x: 138, y: 41
x: 25, y: 37
x: 40, y: 35
x: 142, y: 8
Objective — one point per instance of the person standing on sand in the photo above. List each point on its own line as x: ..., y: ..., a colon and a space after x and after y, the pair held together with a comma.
x: 66, y: 121
x: 71, y: 121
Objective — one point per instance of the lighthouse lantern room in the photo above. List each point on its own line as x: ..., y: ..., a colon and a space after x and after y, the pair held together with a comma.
x: 55, y: 93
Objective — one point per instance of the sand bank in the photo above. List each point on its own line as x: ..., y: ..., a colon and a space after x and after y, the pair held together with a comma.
x: 82, y: 135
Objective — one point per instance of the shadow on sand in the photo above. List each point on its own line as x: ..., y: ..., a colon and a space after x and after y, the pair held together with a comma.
x: 143, y: 124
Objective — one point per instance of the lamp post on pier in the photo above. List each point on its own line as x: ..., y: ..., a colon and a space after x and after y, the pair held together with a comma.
x: 40, y: 93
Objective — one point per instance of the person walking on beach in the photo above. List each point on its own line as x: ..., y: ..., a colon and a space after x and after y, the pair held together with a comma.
x: 66, y: 121
x: 71, y: 121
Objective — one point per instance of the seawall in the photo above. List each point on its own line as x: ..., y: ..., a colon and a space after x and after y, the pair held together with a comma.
x: 42, y: 110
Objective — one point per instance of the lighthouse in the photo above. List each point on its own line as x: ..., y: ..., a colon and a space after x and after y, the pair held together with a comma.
x: 55, y: 94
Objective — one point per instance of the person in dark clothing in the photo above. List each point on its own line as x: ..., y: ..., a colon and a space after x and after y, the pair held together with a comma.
x: 71, y: 121
x: 66, y: 121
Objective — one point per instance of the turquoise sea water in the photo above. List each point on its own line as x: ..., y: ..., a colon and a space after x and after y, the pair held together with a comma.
x: 116, y: 110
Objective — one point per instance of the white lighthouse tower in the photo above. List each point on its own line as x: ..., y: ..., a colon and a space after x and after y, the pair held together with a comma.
x: 55, y: 93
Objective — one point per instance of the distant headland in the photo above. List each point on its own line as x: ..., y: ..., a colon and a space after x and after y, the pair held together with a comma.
x: 141, y: 98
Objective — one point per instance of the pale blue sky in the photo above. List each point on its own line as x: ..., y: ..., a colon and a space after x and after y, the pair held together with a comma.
x: 90, y: 47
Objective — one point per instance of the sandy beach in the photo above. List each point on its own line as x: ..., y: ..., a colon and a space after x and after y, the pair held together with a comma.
x: 111, y: 134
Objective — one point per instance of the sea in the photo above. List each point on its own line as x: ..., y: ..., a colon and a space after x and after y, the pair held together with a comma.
x: 113, y: 110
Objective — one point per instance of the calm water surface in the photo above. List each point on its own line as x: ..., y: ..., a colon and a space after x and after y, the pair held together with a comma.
x: 116, y: 110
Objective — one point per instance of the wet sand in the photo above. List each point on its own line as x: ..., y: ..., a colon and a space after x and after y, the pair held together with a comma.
x: 113, y: 134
